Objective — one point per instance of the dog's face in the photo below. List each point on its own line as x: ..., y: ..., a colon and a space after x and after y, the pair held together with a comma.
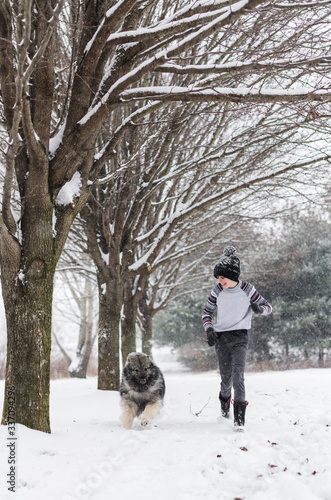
x: 139, y: 368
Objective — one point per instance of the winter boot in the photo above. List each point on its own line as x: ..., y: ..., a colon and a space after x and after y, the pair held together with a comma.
x: 225, y: 405
x: 239, y: 410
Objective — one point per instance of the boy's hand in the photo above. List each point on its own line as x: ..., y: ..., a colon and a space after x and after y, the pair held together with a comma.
x: 211, y: 337
x: 256, y: 308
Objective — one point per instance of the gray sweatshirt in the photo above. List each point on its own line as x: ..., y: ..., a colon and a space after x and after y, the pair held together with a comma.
x: 233, y: 307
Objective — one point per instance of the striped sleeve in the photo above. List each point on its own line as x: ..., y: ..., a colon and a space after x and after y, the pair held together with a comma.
x: 254, y: 296
x: 210, y: 307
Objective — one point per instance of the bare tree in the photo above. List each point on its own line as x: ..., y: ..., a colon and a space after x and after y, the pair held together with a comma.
x: 82, y: 291
x: 54, y: 108
x: 180, y: 179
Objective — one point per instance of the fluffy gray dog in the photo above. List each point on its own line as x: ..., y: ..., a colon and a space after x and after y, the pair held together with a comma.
x: 142, y: 389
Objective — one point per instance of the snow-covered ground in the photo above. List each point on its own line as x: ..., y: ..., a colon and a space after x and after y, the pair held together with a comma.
x: 189, y: 452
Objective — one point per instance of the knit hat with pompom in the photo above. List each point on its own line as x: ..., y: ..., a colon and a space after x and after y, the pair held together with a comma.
x: 229, y: 265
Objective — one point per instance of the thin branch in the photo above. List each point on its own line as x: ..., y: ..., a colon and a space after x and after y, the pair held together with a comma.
x: 52, y: 24
x: 198, y: 413
x: 109, y: 150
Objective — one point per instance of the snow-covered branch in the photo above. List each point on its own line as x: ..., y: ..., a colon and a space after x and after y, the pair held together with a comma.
x: 237, y: 67
x: 96, y: 112
x: 108, y: 24
x: 164, y: 29
x: 301, y: 5
x: 225, y: 94
x: 163, y: 229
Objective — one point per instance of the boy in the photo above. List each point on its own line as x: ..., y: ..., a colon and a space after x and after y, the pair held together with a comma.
x: 234, y: 300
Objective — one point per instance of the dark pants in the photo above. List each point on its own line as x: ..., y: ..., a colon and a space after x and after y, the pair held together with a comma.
x: 231, y: 350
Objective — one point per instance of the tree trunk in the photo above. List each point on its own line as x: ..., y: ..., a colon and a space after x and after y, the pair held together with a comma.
x: 287, y: 350
x: 110, y: 304
x: 147, y: 336
x: 78, y: 367
x: 146, y: 319
x: 29, y: 316
x: 27, y: 275
x: 321, y: 356
x: 128, y: 324
x: 27, y: 284
x: 306, y: 352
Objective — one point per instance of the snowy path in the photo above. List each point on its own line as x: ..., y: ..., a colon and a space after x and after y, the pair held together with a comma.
x: 285, y: 452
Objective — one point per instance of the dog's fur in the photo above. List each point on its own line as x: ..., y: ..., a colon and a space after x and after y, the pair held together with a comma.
x: 142, y: 389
